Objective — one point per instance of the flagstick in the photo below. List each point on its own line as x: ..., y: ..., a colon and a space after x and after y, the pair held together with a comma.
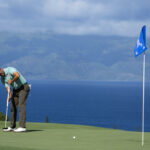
x: 143, y: 99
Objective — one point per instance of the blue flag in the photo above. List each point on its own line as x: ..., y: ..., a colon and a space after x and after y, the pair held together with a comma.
x: 141, y: 42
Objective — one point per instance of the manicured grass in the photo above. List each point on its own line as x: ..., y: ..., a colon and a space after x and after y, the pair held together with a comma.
x: 47, y: 136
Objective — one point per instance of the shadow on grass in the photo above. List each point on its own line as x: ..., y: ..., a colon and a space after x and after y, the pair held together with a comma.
x: 34, y: 130
x: 133, y: 140
x: 26, y: 131
x: 138, y: 141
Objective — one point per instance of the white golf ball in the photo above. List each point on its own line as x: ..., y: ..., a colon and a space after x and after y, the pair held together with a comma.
x: 74, y: 137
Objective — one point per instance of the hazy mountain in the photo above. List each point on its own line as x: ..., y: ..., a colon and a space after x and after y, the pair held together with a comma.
x: 66, y: 57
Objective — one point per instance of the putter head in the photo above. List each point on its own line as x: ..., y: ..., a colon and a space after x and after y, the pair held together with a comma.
x: 5, y: 129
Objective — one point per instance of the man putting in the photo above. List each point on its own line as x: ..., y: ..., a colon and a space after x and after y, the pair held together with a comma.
x: 11, y: 76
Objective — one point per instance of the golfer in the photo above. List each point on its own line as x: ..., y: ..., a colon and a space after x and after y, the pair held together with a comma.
x: 12, y: 77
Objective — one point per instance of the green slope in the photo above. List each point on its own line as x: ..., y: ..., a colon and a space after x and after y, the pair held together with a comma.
x: 60, y: 137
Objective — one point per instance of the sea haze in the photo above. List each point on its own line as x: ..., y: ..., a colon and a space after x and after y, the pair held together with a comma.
x: 104, y: 104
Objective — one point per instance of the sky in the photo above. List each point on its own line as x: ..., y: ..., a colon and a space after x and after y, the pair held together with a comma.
x: 80, y: 18
x: 75, y: 17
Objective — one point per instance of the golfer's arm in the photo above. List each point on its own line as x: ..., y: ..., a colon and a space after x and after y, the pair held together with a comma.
x: 16, y: 76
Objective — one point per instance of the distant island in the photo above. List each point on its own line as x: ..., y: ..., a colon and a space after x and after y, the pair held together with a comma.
x: 44, y: 55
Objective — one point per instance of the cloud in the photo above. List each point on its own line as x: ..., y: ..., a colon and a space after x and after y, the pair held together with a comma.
x: 70, y: 9
x: 122, y: 28
x: 106, y: 17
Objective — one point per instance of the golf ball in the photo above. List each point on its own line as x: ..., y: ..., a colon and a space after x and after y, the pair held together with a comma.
x: 74, y: 137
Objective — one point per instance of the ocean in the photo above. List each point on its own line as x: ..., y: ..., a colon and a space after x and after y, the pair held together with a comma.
x: 115, y: 105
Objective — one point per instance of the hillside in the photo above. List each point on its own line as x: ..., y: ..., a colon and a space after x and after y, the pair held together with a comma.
x: 66, y: 57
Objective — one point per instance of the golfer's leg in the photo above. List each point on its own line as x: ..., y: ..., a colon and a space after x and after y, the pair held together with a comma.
x: 23, y: 94
x: 14, y: 104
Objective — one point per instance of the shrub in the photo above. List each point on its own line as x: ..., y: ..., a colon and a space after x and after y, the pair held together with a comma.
x: 2, y: 117
x: 47, y: 120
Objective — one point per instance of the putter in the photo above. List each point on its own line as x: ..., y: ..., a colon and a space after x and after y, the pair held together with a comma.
x: 6, y: 110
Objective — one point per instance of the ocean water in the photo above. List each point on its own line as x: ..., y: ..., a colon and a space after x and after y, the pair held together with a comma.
x: 105, y: 104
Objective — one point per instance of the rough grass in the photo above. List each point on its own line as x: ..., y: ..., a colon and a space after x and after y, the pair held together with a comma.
x: 47, y: 136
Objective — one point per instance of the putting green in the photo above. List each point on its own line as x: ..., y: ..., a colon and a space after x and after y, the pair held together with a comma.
x: 48, y: 136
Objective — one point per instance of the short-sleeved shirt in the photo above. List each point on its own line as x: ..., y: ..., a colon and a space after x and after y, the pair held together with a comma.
x: 9, y: 75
